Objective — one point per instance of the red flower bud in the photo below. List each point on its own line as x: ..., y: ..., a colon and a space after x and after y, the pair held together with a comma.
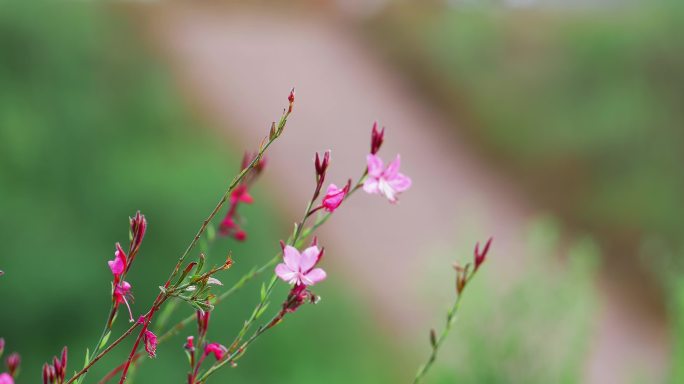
x: 480, y: 256
x: 377, y: 138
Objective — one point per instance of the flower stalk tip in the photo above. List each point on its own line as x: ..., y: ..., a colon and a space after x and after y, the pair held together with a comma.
x: 480, y: 256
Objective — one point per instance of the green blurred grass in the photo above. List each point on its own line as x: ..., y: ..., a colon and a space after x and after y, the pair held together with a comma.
x: 584, y: 107
x: 92, y: 129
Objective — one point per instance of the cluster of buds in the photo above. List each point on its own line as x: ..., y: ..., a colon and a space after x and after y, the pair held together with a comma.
x: 218, y: 350
x: 121, y: 289
x: 230, y: 225
x: 463, y: 274
x: 12, y: 363
x: 55, y: 373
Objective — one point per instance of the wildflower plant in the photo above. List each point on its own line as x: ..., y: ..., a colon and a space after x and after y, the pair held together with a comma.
x: 195, y: 284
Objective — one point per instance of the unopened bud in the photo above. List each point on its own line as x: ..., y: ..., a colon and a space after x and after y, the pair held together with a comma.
x: 13, y: 362
x: 481, y: 256
x: 291, y: 99
x: 377, y: 137
x: 433, y: 338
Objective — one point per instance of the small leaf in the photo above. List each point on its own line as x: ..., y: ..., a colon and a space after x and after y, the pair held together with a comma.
x: 433, y: 338
x: 262, y: 310
x: 105, y: 339
x: 263, y: 291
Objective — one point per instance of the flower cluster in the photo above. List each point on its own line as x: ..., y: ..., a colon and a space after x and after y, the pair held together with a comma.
x: 218, y: 350
x: 55, y: 373
x: 12, y: 364
x: 121, y: 289
x: 191, y: 282
x: 230, y: 225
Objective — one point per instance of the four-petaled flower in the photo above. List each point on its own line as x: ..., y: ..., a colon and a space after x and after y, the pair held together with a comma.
x: 298, y: 268
x: 388, y: 182
x: 217, y: 349
x: 150, y: 343
x: 334, y: 197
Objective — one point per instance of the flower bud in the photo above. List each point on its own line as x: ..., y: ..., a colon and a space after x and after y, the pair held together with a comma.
x: 13, y: 361
x: 291, y: 99
x: 377, y: 138
x: 2, y: 346
x: 480, y: 256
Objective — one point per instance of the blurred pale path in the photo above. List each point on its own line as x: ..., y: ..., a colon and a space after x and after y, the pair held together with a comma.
x: 237, y: 66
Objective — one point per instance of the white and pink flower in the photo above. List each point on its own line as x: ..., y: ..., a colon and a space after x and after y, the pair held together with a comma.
x: 385, y: 181
x: 299, y: 268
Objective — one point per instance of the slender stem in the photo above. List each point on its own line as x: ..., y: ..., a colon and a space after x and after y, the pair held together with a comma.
x: 451, y: 319
x: 104, y: 352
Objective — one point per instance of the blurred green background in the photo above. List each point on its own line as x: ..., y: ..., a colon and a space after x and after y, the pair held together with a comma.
x: 582, y: 106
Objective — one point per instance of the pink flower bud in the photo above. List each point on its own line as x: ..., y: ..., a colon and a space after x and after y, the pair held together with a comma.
x: 334, y: 196
x: 291, y: 99
x: 150, y: 340
x: 202, y: 322
x: 189, y: 343
x: 2, y: 345
x: 322, y: 166
x: 217, y: 349
x: 137, y: 232
x: 13, y: 362
x: 377, y: 138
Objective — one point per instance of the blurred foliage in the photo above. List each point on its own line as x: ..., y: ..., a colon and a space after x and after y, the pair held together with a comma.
x: 584, y: 106
x: 91, y: 129
x: 510, y: 331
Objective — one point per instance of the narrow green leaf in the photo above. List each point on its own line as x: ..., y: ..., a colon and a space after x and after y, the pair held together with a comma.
x: 105, y: 339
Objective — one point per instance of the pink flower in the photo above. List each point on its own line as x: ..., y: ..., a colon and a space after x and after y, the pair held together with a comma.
x: 150, y: 343
x: 5, y: 378
x: 388, y: 182
x: 122, y: 292
x: 334, y: 197
x: 217, y: 349
x: 118, y: 265
x: 241, y: 195
x: 298, y: 268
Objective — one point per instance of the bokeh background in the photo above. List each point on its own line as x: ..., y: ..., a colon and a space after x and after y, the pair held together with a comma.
x: 554, y: 126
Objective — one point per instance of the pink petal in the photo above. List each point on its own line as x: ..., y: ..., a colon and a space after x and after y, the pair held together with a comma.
x: 284, y: 272
x: 292, y: 257
x: 400, y: 182
x: 332, y: 189
x: 309, y: 258
x: 374, y: 165
x: 371, y: 185
x: 388, y: 191
x: 316, y: 275
x: 116, y: 266
x: 393, y: 168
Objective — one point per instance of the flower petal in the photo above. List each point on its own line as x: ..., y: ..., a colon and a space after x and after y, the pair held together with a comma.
x: 314, y: 276
x: 309, y: 258
x: 374, y: 165
x: 291, y: 257
x: 400, y: 182
x: 285, y: 273
x: 371, y: 185
x: 393, y: 168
